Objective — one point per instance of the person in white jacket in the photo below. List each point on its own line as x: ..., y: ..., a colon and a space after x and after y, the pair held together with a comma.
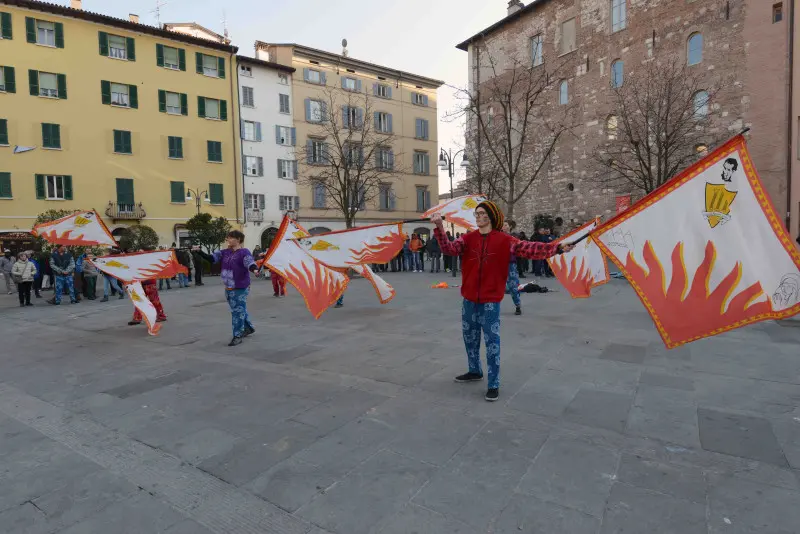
x: 6, y: 265
x: 23, y: 273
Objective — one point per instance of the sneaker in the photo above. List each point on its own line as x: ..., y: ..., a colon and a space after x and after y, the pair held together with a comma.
x: 21, y: 305
x: 122, y: 296
x: 53, y: 302
x: 74, y: 301
x: 134, y: 323
x: 235, y: 341
x: 339, y: 305
x: 492, y: 394
x: 161, y: 320
x: 469, y: 377
x: 519, y: 311
x: 248, y: 330
x: 38, y: 296
x: 28, y: 304
x: 104, y: 299
x: 275, y: 295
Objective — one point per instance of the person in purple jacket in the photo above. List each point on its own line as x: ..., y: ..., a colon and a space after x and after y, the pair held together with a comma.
x: 237, y: 264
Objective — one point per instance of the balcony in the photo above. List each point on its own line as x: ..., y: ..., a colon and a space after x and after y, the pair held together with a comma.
x: 254, y: 215
x: 120, y: 211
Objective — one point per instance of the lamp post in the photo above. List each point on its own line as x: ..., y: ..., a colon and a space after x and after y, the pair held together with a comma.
x: 199, y: 196
x: 447, y: 161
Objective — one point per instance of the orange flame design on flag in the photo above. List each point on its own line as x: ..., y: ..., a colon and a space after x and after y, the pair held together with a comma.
x: 319, y: 289
x: 683, y: 316
x: 383, y: 252
x: 450, y: 217
x: 578, y: 281
x: 66, y: 239
x: 165, y: 269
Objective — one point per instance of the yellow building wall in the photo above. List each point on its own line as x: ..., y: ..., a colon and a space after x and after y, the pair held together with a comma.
x: 87, y: 128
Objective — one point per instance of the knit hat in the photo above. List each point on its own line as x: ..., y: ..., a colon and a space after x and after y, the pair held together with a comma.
x: 495, y: 215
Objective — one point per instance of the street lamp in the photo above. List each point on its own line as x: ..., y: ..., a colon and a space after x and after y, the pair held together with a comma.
x: 447, y: 161
x: 198, y: 195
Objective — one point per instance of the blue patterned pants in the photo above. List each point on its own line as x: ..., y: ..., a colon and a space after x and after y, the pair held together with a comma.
x: 486, y: 317
x: 237, y: 300
x: 512, y: 284
x: 60, y: 282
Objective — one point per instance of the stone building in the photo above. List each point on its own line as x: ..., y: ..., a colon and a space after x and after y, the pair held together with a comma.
x: 743, y: 43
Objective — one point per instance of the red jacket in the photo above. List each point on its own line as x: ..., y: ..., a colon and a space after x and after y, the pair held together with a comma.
x: 485, y: 259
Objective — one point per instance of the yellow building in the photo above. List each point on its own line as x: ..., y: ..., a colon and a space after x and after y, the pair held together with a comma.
x: 407, y: 100
x: 125, y: 118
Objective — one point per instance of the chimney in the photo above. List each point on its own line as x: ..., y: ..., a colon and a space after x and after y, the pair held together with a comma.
x: 514, y: 6
x: 133, y: 18
x: 76, y: 4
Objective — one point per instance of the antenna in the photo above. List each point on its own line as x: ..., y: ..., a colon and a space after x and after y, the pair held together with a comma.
x: 157, y: 10
x: 225, y: 26
x: 344, y: 47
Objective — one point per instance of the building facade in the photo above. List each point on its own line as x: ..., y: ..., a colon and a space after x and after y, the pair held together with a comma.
x: 268, y: 142
x: 743, y: 42
x: 136, y: 122
x: 407, y: 104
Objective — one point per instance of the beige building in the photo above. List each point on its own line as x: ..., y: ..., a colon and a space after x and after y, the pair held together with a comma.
x: 407, y: 105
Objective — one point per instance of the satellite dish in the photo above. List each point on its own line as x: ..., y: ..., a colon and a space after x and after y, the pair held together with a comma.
x: 344, y: 43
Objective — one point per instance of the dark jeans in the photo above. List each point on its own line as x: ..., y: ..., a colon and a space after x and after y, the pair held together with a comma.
x: 198, y: 276
x: 24, y: 289
x: 37, y: 284
x: 91, y: 287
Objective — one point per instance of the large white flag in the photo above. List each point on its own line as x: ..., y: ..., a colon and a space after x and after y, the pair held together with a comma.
x: 459, y: 211
x: 378, y: 243
x: 140, y: 265
x: 82, y: 228
x: 145, y: 307
x: 584, y: 267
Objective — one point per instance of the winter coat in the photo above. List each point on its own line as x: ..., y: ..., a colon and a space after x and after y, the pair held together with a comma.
x: 23, y: 271
x: 7, y: 264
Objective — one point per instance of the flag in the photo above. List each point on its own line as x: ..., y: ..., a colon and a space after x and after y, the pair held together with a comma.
x: 584, y: 267
x: 384, y: 291
x: 83, y: 228
x: 459, y: 211
x: 319, y: 285
x: 140, y: 265
x: 706, y: 252
x: 145, y: 307
x: 378, y: 243
x: 21, y: 149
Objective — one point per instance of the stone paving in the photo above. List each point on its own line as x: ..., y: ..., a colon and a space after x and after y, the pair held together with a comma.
x: 352, y: 424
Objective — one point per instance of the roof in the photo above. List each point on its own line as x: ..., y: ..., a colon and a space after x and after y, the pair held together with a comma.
x: 261, y: 62
x: 337, y: 58
x: 499, y: 24
x: 89, y: 16
x: 196, y: 26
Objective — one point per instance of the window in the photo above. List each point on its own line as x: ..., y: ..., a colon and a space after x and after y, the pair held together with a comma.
x: 177, y: 193
x: 248, y: 130
x: 8, y: 81
x: 777, y: 12
x: 119, y: 95
x: 214, y: 151
x: 122, y: 142
x: 619, y: 18
x: 2, y: 79
x: 357, y: 198
x: 382, y: 90
x: 537, y: 44
x: 611, y: 127
x: 315, y: 152
x: 175, y: 145
x: 6, y: 31
x: 245, y: 70
x: 211, y: 108
x: 287, y: 169
x: 419, y: 99
x: 122, y: 95
x: 695, y: 49
x: 216, y: 193
x: 283, y: 79
x: 563, y: 93
x: 567, y: 36
x: 285, y: 136
x: 172, y: 58
x: 5, y: 185
x: 254, y: 166
x: 421, y: 131
x: 286, y: 203
x: 45, y: 33
x: 700, y: 105
x: 354, y: 155
x: 174, y: 103
x: 254, y: 202
x: 247, y: 97
x: 319, y: 194
x: 386, y: 198
x: 384, y: 159
x: 51, y: 135
x: 210, y: 65
x: 352, y: 117
x: 423, y: 198
x: 125, y: 199
x: 314, y: 76
x: 53, y: 187
x: 422, y: 163
x: 351, y: 84
x: 48, y: 85
x: 383, y: 122
x: 116, y: 47
x: 4, y: 132
x: 315, y: 110
x: 283, y: 102
x: 617, y: 73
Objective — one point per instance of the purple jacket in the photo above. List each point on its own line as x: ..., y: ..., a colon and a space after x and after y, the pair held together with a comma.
x: 236, y: 266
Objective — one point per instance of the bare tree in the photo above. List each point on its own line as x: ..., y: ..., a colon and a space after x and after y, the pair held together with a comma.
x: 514, y: 120
x: 661, y: 123
x: 349, y: 156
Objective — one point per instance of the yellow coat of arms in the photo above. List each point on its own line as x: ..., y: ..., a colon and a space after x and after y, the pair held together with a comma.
x: 718, y: 204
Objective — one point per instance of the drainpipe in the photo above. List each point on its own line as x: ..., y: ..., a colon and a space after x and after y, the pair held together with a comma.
x: 235, y: 128
x: 790, y: 122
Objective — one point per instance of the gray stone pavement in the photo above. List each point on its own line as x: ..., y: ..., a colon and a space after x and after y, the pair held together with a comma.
x: 352, y: 424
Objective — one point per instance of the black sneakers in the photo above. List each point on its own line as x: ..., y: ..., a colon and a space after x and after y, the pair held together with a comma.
x: 235, y: 341
x: 248, y: 331
x: 492, y: 394
x: 519, y: 311
x: 469, y: 377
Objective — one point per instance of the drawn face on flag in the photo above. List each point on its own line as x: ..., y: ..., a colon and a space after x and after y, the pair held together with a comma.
x: 141, y: 266
x: 707, y: 253
x: 584, y: 267
x: 459, y: 211
x: 347, y: 248
x: 83, y: 228
x: 142, y: 303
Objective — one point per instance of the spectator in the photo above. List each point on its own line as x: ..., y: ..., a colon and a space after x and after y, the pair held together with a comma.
x: 63, y: 265
x: 408, y: 260
x: 37, y: 280
x: 198, y: 266
x: 435, y: 255
x: 7, y: 262
x: 90, y: 274
x: 415, y: 246
x: 23, y: 272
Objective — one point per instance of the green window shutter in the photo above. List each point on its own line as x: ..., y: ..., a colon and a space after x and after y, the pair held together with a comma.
x: 55, y: 135
x: 214, y: 151
x: 223, y: 110
x: 11, y: 83
x: 177, y: 194
x: 182, y: 59
x: 5, y: 185
x: 184, y: 104
x: 133, y: 96
x: 216, y: 192
x: 67, y: 187
x: 159, y: 55
x: 125, y: 191
x: 40, y: 186
x: 198, y: 58
x: 5, y: 26
x: 171, y: 146
x: 30, y: 32
x: 179, y: 147
x: 162, y: 101
x: 33, y: 82
x: 59, y: 35
x: 103, y: 39
x: 105, y: 92
x: 130, y: 45
x: 3, y: 131
x: 62, y: 86
x: 46, y: 135
x: 127, y: 144
x: 117, y: 141
x: 122, y: 142
x: 210, y: 145
x: 201, y: 107
x: 221, y: 67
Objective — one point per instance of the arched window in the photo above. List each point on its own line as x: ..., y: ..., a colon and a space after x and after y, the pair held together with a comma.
x: 267, y: 236
x: 611, y: 127
x: 700, y: 104
x: 563, y: 92
x: 617, y: 73
x: 694, y: 51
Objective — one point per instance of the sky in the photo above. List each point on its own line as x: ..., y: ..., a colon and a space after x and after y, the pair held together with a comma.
x: 417, y: 36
